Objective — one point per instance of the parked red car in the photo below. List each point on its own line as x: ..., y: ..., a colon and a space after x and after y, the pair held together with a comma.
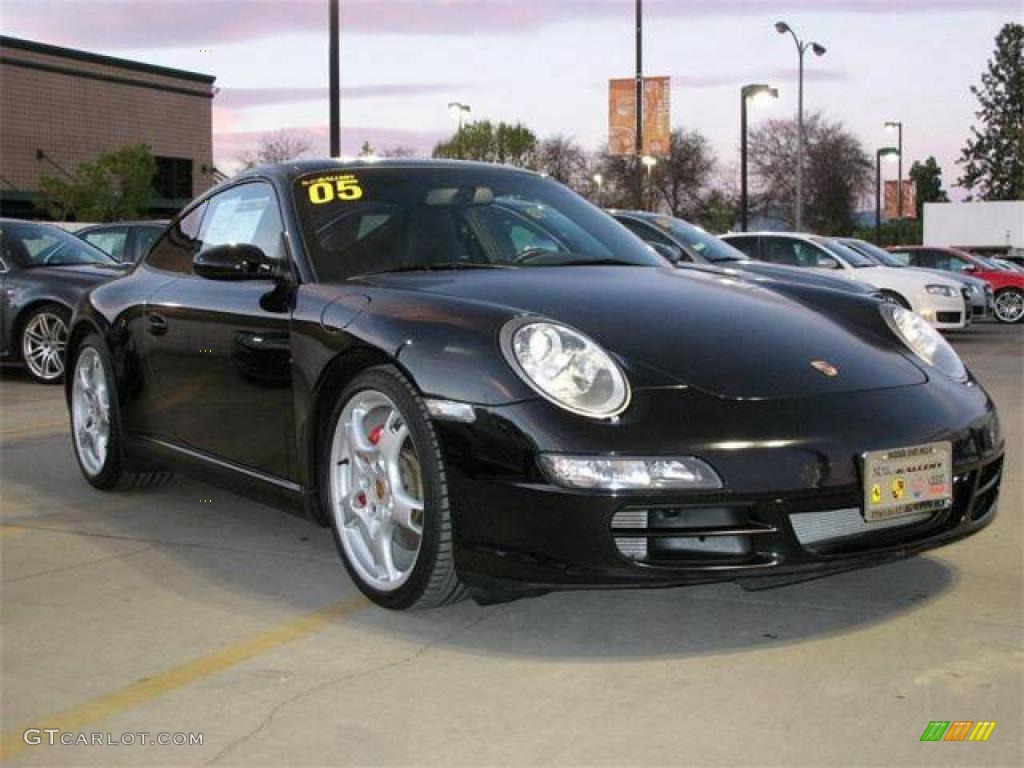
x: 1007, y: 285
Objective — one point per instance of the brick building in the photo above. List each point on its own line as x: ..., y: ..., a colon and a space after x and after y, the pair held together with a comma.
x: 59, y: 107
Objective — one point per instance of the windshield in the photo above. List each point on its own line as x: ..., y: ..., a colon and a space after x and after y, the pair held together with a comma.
x: 361, y: 221
x: 847, y: 254
x: 875, y: 253
x: 696, y: 239
x: 43, y: 245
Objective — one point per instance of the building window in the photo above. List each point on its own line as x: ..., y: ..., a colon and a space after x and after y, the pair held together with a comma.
x: 173, y: 177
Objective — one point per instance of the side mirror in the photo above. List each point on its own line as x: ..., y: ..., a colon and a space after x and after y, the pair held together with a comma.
x: 969, y: 269
x: 826, y: 262
x: 671, y: 252
x: 236, y: 261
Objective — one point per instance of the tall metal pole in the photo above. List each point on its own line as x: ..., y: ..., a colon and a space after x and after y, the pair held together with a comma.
x: 800, y: 147
x: 743, y: 160
x: 878, y: 198
x: 899, y: 180
x: 333, y: 80
x: 639, y: 143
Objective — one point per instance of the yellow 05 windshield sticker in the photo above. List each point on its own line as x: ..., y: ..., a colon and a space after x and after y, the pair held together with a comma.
x: 326, y: 189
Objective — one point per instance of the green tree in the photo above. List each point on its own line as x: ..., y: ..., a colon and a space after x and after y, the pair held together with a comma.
x: 117, y: 186
x: 927, y: 177
x: 509, y: 143
x: 993, y: 158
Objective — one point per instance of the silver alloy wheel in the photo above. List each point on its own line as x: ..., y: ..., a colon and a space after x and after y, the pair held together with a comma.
x: 90, y: 411
x: 42, y: 345
x: 1010, y: 306
x: 376, y: 490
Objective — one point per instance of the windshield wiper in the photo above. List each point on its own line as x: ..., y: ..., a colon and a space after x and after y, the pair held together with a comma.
x: 443, y: 266
x: 594, y: 263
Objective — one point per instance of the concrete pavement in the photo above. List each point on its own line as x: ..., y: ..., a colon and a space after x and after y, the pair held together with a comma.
x: 191, y: 610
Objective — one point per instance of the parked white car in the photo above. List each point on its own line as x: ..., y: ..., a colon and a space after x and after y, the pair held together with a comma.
x: 939, y: 300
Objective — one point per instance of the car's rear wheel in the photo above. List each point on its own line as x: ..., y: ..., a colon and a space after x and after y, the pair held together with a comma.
x: 1009, y: 305
x: 384, y: 485
x: 44, y: 338
x: 96, y: 423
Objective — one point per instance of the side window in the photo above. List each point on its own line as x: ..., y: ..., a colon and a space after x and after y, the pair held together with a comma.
x: 781, y: 250
x: 174, y: 251
x: 144, y: 239
x: 113, y: 241
x: 245, y: 214
x: 903, y: 257
x: 809, y: 255
x: 747, y: 245
x: 957, y: 264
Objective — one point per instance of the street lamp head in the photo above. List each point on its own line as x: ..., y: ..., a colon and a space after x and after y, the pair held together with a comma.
x: 892, y: 125
x: 781, y: 27
x: 649, y: 161
x: 456, y: 107
x: 598, y: 179
x: 889, y: 153
x: 818, y: 48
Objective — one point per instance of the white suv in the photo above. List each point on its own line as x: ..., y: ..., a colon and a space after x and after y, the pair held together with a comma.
x: 938, y: 300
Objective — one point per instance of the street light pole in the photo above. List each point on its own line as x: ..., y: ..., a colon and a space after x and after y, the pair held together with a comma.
x: 898, y: 126
x: 649, y: 162
x: 458, y: 109
x: 882, y: 152
x: 638, y: 148
x: 748, y: 92
x: 334, y: 87
x: 819, y: 50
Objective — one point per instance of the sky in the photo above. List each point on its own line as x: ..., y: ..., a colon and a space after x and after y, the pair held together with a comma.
x: 547, y: 63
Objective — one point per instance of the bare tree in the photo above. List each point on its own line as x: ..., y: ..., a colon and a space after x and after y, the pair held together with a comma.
x: 276, y: 147
x: 683, y: 178
x: 561, y: 158
x: 837, y: 173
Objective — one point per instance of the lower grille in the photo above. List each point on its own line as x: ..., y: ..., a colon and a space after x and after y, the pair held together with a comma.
x: 949, y: 317
x: 837, y: 524
x: 686, y: 535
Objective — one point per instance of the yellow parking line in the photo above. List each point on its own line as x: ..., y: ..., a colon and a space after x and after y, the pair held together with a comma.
x: 149, y: 688
x: 40, y: 430
x: 6, y: 531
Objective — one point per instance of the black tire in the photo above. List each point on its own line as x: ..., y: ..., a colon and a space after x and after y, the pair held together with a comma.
x: 434, y: 581
x: 894, y: 298
x: 53, y: 310
x: 1013, y: 313
x: 112, y: 475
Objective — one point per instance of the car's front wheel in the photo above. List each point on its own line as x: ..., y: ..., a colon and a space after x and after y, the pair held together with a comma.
x: 44, y: 337
x: 96, y: 423
x: 1009, y: 305
x: 384, y: 487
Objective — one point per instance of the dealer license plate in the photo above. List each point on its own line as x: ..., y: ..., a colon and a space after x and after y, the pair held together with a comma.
x: 906, y: 481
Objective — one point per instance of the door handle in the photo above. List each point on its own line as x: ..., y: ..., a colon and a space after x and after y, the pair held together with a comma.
x: 157, y: 325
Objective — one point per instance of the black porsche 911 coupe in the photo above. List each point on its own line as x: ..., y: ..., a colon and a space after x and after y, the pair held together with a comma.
x: 484, y: 384
x: 44, y: 272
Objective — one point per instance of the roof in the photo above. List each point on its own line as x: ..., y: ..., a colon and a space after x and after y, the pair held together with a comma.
x: 96, y: 58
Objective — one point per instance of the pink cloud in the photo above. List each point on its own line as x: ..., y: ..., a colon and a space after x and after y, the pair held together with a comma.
x: 244, y: 98
x: 107, y: 24
x: 767, y: 76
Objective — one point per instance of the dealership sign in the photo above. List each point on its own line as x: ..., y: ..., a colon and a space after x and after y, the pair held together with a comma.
x: 622, y: 116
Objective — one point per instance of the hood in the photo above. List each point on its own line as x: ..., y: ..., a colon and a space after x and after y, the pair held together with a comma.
x: 804, y: 276
x: 724, y: 336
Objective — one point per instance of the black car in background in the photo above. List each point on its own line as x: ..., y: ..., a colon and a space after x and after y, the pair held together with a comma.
x: 482, y: 382
x: 44, y: 271
x: 690, y: 246
x: 125, y: 241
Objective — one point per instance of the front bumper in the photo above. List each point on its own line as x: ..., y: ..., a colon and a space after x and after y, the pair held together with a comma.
x: 788, y: 464
x: 947, y: 313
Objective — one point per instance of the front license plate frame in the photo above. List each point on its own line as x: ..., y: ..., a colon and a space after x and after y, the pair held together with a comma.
x: 907, y: 481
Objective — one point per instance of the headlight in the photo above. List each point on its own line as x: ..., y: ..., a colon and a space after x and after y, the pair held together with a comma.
x: 939, y: 290
x: 616, y: 474
x: 566, y: 367
x: 924, y: 341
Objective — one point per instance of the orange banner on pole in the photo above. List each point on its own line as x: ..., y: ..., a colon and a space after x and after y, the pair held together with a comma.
x: 909, y: 200
x: 622, y: 116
